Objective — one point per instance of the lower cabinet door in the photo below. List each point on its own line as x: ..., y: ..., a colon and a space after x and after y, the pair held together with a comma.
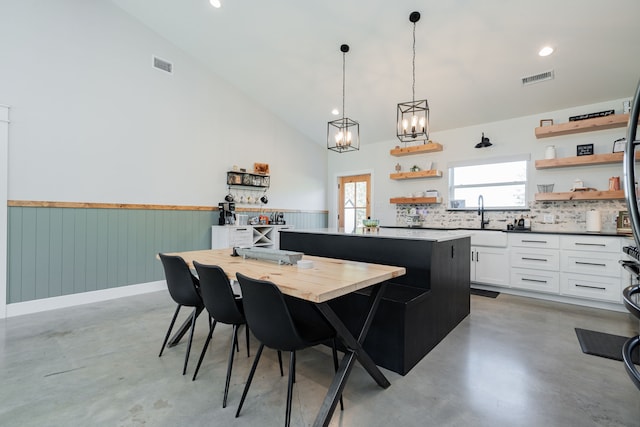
x: 490, y: 266
x: 600, y: 288
x: 535, y: 280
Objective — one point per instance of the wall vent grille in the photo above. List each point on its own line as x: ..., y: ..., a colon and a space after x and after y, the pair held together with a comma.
x: 162, y: 65
x: 537, y: 78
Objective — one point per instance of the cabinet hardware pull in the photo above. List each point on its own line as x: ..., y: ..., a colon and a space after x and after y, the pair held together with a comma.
x: 524, y: 279
x: 590, y: 244
x: 471, y: 255
x: 535, y: 259
x: 533, y: 241
x: 591, y: 287
x: 241, y: 229
x: 591, y: 263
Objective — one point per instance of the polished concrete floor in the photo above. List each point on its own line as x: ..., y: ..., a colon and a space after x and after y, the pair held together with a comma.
x: 513, y: 362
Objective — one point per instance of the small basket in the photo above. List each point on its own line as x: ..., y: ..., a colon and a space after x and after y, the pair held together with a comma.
x: 545, y: 188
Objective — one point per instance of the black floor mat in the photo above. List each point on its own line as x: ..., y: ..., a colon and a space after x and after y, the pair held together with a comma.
x: 483, y: 293
x: 604, y: 345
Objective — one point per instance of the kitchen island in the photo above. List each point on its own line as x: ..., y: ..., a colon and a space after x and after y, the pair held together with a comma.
x: 418, y: 309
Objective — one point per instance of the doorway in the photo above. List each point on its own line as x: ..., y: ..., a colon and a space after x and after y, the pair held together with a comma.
x: 354, y: 201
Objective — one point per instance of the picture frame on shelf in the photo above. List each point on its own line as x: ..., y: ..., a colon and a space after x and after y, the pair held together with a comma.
x: 619, y: 145
x: 546, y: 122
x: 584, y: 150
x: 623, y: 224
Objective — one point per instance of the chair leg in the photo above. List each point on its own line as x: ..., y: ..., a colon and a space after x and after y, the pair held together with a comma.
x: 280, y: 362
x: 166, y: 338
x: 246, y: 332
x: 234, y: 343
x: 212, y: 325
x: 235, y: 331
x: 193, y: 326
x: 248, y: 384
x: 292, y: 374
x: 335, y: 366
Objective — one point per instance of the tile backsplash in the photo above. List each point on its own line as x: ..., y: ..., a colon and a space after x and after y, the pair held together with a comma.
x: 567, y: 215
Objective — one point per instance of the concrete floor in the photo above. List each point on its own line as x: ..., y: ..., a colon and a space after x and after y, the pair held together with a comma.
x: 513, y: 362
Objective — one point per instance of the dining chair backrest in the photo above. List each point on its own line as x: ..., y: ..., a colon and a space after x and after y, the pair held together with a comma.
x: 268, y: 315
x: 217, y: 294
x: 183, y: 286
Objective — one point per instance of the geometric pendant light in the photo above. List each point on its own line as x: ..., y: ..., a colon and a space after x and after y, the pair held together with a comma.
x: 343, y: 134
x: 413, y: 116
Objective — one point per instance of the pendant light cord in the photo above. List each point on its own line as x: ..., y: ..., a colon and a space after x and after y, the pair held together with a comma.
x: 413, y: 85
x: 343, y: 86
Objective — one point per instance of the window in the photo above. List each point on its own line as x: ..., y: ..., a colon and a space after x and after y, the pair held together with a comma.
x: 502, y: 183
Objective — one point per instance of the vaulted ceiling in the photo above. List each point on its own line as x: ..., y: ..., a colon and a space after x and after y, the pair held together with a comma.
x: 470, y: 55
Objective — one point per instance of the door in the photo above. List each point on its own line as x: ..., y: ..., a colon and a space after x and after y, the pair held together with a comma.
x: 4, y: 185
x: 489, y: 265
x: 354, y: 201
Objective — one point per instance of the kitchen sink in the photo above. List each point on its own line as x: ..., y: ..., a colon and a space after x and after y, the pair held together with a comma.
x: 494, y: 238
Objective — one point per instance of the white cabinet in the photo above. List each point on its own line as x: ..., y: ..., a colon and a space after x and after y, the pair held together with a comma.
x: 535, y: 262
x: 489, y: 258
x: 229, y: 236
x: 590, y: 268
x: 489, y: 265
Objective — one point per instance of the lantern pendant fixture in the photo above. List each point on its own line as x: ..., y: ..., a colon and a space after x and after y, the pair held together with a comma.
x: 343, y: 134
x: 413, y: 116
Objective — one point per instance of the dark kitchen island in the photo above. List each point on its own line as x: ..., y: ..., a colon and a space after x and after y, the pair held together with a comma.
x: 418, y: 309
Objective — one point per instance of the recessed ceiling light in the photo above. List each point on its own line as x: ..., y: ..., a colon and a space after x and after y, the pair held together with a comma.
x: 546, y: 51
x: 215, y: 3
x: 335, y: 112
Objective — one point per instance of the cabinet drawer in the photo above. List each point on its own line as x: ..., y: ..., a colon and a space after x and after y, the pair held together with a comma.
x: 592, y: 287
x: 582, y: 262
x: 545, y: 241
x: 242, y: 236
x: 535, y: 280
x: 591, y: 243
x: 543, y: 259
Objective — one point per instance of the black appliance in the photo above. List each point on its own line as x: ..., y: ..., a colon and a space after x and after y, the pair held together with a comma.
x: 632, y: 263
x: 227, y: 213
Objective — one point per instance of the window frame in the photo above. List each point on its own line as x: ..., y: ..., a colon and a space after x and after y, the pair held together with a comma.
x: 489, y: 161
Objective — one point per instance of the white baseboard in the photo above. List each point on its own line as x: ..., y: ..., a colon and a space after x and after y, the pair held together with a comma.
x: 53, y: 303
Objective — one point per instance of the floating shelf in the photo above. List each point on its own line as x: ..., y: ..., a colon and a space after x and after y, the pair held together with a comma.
x: 431, y: 173
x: 431, y: 147
x: 579, y: 126
x: 593, y: 159
x: 581, y: 195
x: 415, y: 200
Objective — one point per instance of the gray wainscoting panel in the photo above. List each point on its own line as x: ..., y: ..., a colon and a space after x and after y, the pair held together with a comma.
x: 62, y: 251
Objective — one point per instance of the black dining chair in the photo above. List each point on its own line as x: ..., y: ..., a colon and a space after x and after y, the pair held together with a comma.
x: 284, y: 324
x: 224, y: 307
x: 183, y: 288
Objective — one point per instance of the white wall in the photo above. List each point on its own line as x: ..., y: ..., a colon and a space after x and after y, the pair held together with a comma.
x: 509, y: 137
x: 93, y: 121
x: 4, y: 143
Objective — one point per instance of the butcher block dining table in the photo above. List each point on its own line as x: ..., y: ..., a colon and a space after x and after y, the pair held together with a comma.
x: 327, y: 279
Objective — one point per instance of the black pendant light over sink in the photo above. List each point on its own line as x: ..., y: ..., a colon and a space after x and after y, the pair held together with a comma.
x: 484, y: 142
x: 413, y: 116
x: 343, y: 134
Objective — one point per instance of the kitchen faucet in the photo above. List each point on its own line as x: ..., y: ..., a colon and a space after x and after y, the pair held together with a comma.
x: 481, y: 212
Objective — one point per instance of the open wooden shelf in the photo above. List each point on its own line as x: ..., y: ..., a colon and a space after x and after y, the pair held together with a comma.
x: 415, y: 200
x: 431, y: 173
x: 431, y: 147
x: 587, y: 125
x: 581, y: 195
x: 592, y: 159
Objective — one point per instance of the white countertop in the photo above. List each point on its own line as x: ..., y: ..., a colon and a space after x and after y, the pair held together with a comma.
x: 394, y: 233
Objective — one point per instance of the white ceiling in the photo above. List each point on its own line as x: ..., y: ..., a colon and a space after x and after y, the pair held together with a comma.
x: 470, y: 55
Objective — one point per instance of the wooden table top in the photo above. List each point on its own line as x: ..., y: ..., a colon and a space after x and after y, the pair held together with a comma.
x: 328, y: 278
